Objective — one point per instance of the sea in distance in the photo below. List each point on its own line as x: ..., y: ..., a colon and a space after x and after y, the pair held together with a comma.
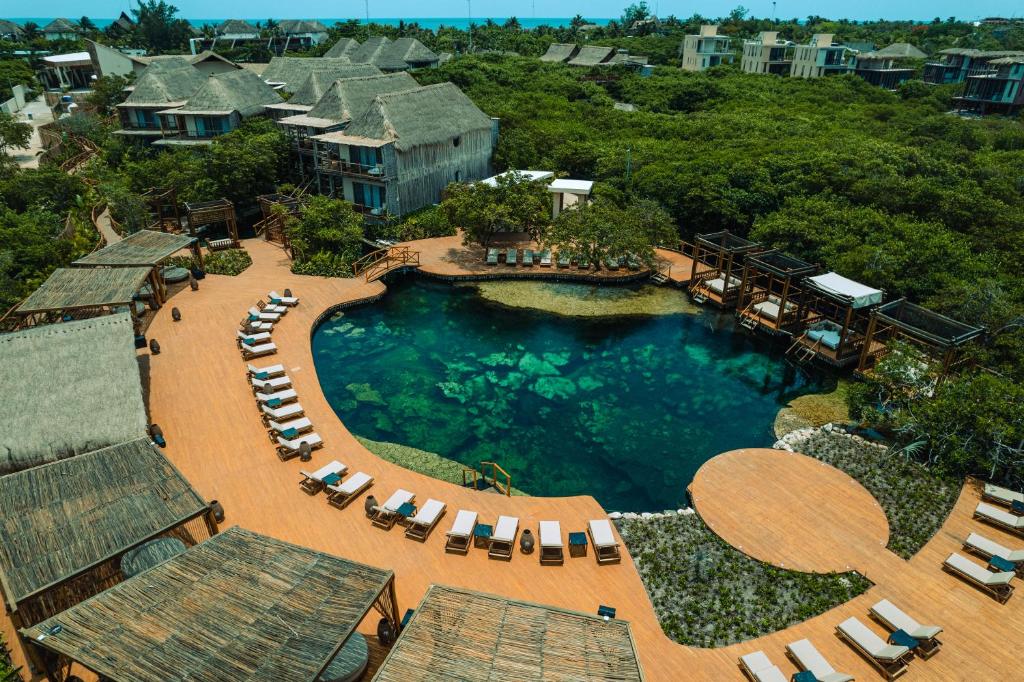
x: 432, y: 23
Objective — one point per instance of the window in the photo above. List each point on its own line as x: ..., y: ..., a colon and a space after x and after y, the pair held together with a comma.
x: 458, y: 176
x: 456, y: 141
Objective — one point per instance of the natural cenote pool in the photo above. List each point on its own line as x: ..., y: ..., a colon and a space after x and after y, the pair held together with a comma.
x: 621, y: 394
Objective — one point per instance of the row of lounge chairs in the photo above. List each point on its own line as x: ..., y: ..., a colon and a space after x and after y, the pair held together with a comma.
x: 330, y: 478
x: 253, y: 336
x: 906, y: 638
x: 529, y: 257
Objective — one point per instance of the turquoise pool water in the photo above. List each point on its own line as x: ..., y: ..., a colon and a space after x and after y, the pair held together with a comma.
x: 623, y: 408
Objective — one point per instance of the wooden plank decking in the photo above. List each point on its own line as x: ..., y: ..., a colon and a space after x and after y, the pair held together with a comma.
x: 198, y: 393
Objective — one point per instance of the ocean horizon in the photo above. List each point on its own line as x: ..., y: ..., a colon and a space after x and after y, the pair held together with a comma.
x: 432, y: 23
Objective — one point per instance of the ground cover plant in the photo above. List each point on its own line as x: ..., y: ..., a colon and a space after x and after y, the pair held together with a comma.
x: 707, y: 593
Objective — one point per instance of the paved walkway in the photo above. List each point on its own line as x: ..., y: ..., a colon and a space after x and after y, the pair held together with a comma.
x: 29, y: 158
x: 106, y: 228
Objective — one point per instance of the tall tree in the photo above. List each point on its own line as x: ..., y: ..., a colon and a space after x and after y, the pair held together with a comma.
x: 514, y: 204
x: 157, y: 28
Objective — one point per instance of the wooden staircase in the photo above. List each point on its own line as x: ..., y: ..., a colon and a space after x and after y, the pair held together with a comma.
x: 803, y: 354
x: 375, y: 265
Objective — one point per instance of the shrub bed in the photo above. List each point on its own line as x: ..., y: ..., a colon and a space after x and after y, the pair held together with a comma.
x: 230, y: 262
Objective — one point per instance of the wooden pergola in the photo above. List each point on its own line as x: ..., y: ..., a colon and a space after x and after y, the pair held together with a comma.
x: 66, y: 525
x: 272, y: 223
x: 461, y: 634
x: 79, y: 293
x: 240, y: 606
x: 203, y: 213
x: 836, y: 311
x: 936, y: 336
x: 769, y: 297
x: 165, y: 214
x: 716, y: 264
x: 145, y: 248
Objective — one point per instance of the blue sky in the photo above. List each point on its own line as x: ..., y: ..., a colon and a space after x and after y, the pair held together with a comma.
x: 867, y: 9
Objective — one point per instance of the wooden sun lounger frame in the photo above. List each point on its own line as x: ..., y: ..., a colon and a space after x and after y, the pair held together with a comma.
x: 926, y: 648
x: 284, y: 453
x: 552, y: 556
x: 605, y: 554
x: 1016, y: 530
x: 502, y: 549
x: 891, y: 669
x: 419, y: 531
x: 340, y: 500
x: 385, y: 518
x: 459, y: 544
x: 1001, y: 593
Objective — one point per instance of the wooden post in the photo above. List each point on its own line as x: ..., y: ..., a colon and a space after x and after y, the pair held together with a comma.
x: 842, y: 334
x: 872, y: 323
x: 743, y: 288
x: 782, y: 303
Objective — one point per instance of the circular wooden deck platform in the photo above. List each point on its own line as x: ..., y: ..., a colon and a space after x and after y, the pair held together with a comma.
x: 790, y: 510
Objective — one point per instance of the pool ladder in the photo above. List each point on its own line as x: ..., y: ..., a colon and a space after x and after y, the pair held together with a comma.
x: 471, y: 478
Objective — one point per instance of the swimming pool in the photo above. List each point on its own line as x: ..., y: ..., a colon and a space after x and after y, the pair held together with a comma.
x: 625, y: 408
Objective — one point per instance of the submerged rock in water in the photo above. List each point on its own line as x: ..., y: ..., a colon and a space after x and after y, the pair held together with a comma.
x: 584, y: 300
x: 554, y: 388
x: 531, y: 364
x: 364, y: 393
x: 815, y: 409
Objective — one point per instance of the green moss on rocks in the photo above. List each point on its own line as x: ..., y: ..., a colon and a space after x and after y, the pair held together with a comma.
x: 815, y: 409
x: 582, y: 300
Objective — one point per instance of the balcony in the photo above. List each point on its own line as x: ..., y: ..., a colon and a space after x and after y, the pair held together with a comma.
x: 372, y: 213
x: 369, y: 172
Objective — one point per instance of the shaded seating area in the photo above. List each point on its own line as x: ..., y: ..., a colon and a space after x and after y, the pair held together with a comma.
x: 71, y: 388
x: 287, y: 616
x: 82, y: 293
x: 717, y: 268
x: 164, y: 211
x: 938, y: 339
x: 770, y: 298
x: 206, y: 216
x: 460, y: 634
x: 836, y: 314
x: 68, y: 524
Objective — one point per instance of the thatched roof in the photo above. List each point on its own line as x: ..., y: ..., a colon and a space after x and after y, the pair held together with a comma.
x: 293, y: 71
x: 1008, y: 60
x: 70, y: 288
x: 65, y: 517
x: 558, y: 52
x: 367, y: 52
x: 165, y: 82
x: 10, y: 28
x: 312, y: 89
x: 343, y: 48
x: 61, y: 25
x: 926, y: 325
x: 898, y: 51
x: 404, y: 53
x: 460, y: 634
x: 146, y: 247
x: 294, y: 26
x: 427, y: 115
x: 71, y: 388
x: 592, y: 55
x: 239, y: 606
x: 236, y: 26
x: 241, y: 91
x: 349, y: 98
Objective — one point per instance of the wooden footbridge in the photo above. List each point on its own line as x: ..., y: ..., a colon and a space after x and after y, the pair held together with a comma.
x: 378, y: 263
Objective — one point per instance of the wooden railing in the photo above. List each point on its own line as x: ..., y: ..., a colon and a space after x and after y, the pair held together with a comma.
x: 503, y: 487
x: 378, y: 263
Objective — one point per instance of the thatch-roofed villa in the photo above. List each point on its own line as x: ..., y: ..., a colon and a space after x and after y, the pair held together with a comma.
x: 937, y: 338
x: 460, y: 634
x: 239, y: 606
x: 61, y: 29
x: 301, y: 34
x: 715, y: 273
x: 288, y: 74
x: 145, y: 248
x: 592, y: 55
x: 237, y: 30
x: 399, y: 154
x: 83, y: 376
x: 346, y: 99
x: 836, y: 313
x: 560, y: 52
x: 770, y: 297
x: 343, y: 48
x: 79, y: 293
x: 397, y: 55
x: 68, y: 523
x: 218, y: 107
x: 315, y: 84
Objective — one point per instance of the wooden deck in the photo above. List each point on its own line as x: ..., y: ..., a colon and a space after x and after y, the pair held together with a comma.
x: 198, y: 393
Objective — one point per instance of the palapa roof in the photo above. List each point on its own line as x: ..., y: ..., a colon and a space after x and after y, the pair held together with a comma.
x: 349, y: 98
x: 236, y: 26
x: 592, y: 55
x: 10, y: 28
x: 367, y: 52
x: 897, y: 51
x: 460, y: 634
x: 293, y: 71
x: 343, y: 48
x: 927, y: 325
x: 558, y: 52
x: 61, y: 25
x: 402, y: 54
x: 239, y: 606
x: 205, y: 55
x: 145, y: 247
x: 427, y: 115
x: 312, y: 89
x: 71, y: 387
x: 65, y: 517
x: 165, y: 82
x: 70, y: 288
x: 240, y: 90
x: 293, y: 26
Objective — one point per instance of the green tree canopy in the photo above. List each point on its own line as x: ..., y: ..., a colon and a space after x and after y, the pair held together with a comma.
x: 514, y: 204
x: 326, y: 237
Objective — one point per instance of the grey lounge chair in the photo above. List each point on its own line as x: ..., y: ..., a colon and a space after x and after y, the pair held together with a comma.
x: 425, y: 519
x: 986, y: 549
x: 528, y: 257
x: 341, y: 495
x: 997, y: 517
x: 996, y: 584
x: 461, y: 533
x: 807, y: 657
x: 890, y: 659
x: 1005, y: 496
x: 759, y: 668
x: 510, y: 256
x: 492, y: 256
x: 893, y: 618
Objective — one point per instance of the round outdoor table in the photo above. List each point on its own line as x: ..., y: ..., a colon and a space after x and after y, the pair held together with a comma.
x: 172, y: 274
x: 350, y: 663
x: 150, y: 554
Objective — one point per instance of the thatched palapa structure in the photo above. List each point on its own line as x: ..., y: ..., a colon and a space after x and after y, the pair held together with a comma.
x: 240, y: 606
x: 343, y: 48
x: 145, y: 248
x: 460, y: 634
x: 592, y: 55
x: 289, y: 73
x: 70, y: 388
x: 560, y: 52
x: 82, y: 293
x: 164, y: 84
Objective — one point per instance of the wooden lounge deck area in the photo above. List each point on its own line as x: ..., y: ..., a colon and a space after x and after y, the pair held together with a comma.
x: 778, y: 507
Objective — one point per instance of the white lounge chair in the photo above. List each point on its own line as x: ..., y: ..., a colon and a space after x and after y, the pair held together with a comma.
x: 606, y: 549
x: 890, y: 659
x: 893, y: 618
x: 759, y: 668
x: 278, y: 299
x: 461, y: 533
x: 998, y: 517
x: 312, y: 483
x: 995, y: 493
x: 985, y: 548
x: 300, y: 425
x: 807, y: 657
x: 261, y: 316
x: 281, y: 397
x: 255, y: 351
x: 251, y: 326
x: 281, y: 413
x: 247, y: 339
x: 271, y: 308
x: 288, y: 448
x: 271, y: 385
x: 386, y: 514
x: 551, y: 547
x: 503, y: 537
x: 425, y: 519
x: 996, y: 584
x: 340, y: 495
x: 267, y: 372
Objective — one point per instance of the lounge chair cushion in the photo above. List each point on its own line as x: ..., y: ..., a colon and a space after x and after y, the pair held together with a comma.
x: 1003, y: 494
x: 550, y: 534
x: 505, y: 529
x: 295, y: 444
x: 326, y: 470
x: 871, y: 643
x: 809, y: 658
x: 993, y: 548
x: 756, y: 660
x: 397, y: 499
x: 283, y: 411
x: 959, y: 562
x: 895, y: 617
x: 265, y: 372
x: 428, y: 513
x: 601, y: 532
x: 989, y: 511
x: 354, y: 483
x: 464, y: 522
